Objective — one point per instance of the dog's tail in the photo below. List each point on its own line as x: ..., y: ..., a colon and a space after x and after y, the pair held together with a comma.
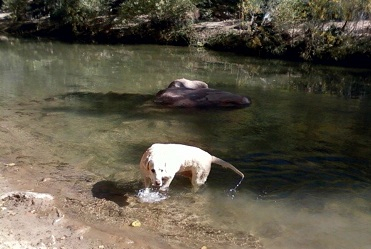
x: 226, y: 165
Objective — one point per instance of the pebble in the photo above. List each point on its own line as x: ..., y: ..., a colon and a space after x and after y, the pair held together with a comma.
x: 129, y: 241
x: 136, y: 223
x: 46, y: 179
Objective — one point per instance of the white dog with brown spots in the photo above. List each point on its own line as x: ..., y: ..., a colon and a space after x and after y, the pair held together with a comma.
x: 161, y: 162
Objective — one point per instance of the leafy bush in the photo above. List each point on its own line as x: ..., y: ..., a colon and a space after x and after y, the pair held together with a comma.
x: 217, y: 9
x: 319, y: 24
x: 176, y: 12
x: 163, y: 21
x: 78, y: 13
x: 18, y: 8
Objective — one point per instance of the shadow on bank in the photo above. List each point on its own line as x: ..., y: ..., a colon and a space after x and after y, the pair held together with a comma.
x: 115, y: 192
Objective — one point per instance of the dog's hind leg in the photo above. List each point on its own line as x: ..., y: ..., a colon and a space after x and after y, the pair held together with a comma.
x: 199, y: 178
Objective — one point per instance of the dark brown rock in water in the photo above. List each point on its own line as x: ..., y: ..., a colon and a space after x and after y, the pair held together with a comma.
x: 187, y: 93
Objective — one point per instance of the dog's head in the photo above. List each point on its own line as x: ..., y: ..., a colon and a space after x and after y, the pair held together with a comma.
x: 157, y: 172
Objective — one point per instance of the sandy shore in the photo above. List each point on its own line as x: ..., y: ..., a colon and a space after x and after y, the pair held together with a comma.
x: 34, y: 215
x: 48, y: 203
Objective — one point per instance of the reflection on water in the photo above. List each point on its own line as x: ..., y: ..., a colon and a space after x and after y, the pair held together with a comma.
x: 303, y: 145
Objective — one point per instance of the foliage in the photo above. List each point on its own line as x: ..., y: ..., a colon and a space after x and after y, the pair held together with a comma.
x: 217, y: 9
x: 18, y: 8
x: 317, y: 29
x: 166, y: 21
x: 177, y: 12
x: 77, y: 13
x: 310, y: 10
x: 250, y: 8
x: 288, y: 11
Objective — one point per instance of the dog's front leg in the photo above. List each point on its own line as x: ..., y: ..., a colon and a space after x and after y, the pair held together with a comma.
x: 166, y: 185
x: 147, y: 182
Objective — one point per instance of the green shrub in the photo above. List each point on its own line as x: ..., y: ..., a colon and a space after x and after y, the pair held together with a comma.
x: 176, y: 12
x: 163, y: 21
x: 18, y: 8
x: 320, y: 24
x: 78, y: 13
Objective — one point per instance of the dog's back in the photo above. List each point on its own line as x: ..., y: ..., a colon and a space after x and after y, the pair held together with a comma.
x: 177, y: 153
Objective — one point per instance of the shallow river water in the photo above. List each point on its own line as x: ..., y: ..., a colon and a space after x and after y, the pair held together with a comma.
x: 303, y: 144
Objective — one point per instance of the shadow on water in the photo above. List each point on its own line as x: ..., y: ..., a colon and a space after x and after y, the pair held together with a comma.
x: 94, y: 103
x: 115, y: 192
x: 278, y: 175
x: 98, y: 103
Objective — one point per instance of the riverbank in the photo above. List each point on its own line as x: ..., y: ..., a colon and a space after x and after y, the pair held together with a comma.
x: 335, y: 43
x: 43, y: 220
x: 77, y: 208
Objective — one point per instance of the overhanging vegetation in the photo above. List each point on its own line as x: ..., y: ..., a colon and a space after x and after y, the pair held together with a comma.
x: 333, y: 31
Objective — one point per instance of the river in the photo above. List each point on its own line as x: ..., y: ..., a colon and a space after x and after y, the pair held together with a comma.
x: 303, y: 144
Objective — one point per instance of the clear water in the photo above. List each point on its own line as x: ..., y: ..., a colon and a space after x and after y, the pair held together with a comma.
x: 303, y: 145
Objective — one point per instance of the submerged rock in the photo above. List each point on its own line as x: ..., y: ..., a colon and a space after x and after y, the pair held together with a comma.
x: 3, y: 38
x: 191, y: 84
